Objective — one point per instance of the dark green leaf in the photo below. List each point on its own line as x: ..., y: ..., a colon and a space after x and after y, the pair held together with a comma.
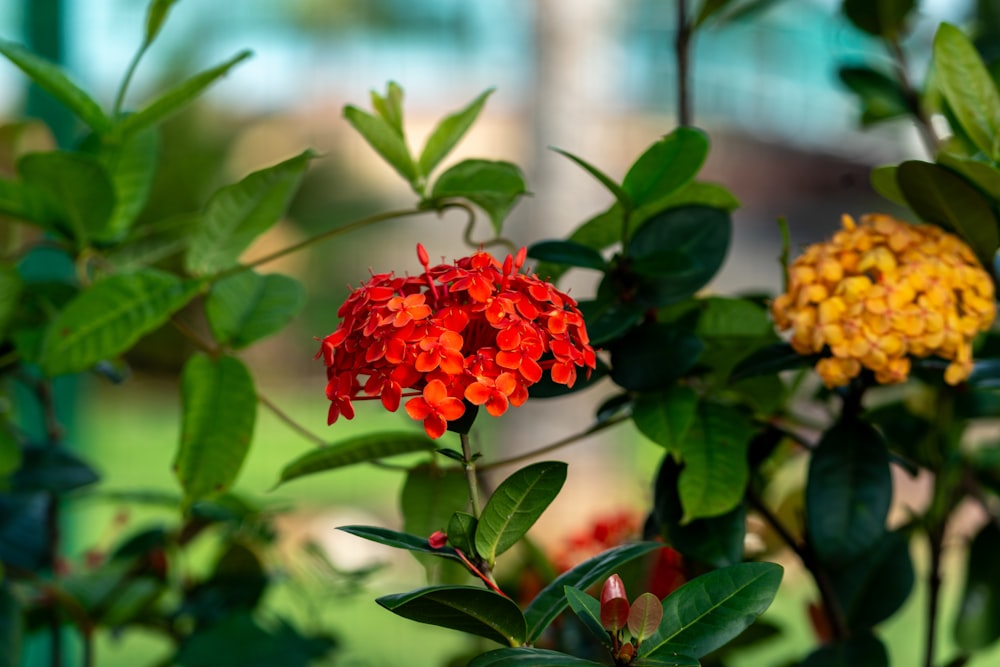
x: 155, y: 16
x: 492, y: 186
x: 667, y: 658
x: 938, y: 195
x: 462, y: 532
x: 968, y: 88
x: 548, y: 388
x: 52, y: 79
x: 710, y: 610
x: 177, y: 97
x: 588, y: 610
x: 666, y: 416
x: 882, y: 18
x: 716, y: 541
x: 666, y: 166
x: 881, y: 96
x: 448, y: 133
x: 883, y: 180
x: 984, y: 176
x: 219, y: 406
x: 848, y: 492
x: 249, y: 644
x: 694, y: 193
x: 77, y: 185
x: 10, y: 452
x: 474, y: 610
x: 608, y: 318
x: 528, y: 657
x: 978, y: 622
x: 569, y: 253
x: 732, y: 329
x: 131, y: 166
x: 10, y: 294
x: 653, y: 356
x: 771, y: 359
x: 24, y: 540
x: 623, y: 199
x: 398, y: 540
x: 237, y: 214
x: 11, y: 626
x: 708, y: 9
x: 247, y: 306
x: 51, y: 469
x: 863, y: 650
x: 385, y: 139
x: 552, y: 600
x: 876, y: 584
x: 27, y: 203
x: 644, y: 617
x: 107, y: 318
x: 516, y: 505
x: 367, y: 447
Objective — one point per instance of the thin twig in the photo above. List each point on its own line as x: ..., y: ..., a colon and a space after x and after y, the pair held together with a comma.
x: 558, y: 444
x: 290, y: 421
x: 682, y: 45
x: 912, y: 98
x: 470, y: 474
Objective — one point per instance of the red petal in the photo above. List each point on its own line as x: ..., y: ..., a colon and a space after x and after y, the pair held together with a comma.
x: 417, y: 408
x: 497, y: 405
x: 434, y: 393
x: 478, y: 393
x: 531, y: 370
x: 435, y: 426
x: 451, y: 408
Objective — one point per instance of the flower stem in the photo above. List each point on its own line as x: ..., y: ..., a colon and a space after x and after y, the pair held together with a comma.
x: 470, y: 474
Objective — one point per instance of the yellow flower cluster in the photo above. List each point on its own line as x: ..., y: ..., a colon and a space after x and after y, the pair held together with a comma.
x: 882, y: 291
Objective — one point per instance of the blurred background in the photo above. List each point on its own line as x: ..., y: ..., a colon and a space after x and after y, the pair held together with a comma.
x: 593, y: 77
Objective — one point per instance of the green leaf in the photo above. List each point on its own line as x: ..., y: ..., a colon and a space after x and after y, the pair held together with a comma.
x: 462, y: 532
x: 11, y: 626
x: 714, y: 454
x: 390, y: 107
x: 644, y: 617
x: 153, y: 242
x: 473, y: 610
x: 52, y: 80
x: 568, y: 253
x: 883, y: 180
x: 237, y: 214
x: 708, y: 611
x: 872, y: 587
x: 398, y: 540
x: 428, y: 502
x: 653, y: 356
x: 771, y: 359
x: 608, y: 317
x: 588, y: 610
x: 665, y: 417
x: 131, y: 165
x: 861, y: 650
x: 978, y: 622
x: 621, y: 197
x: 11, y: 288
x: 968, y: 88
x: 492, y: 186
x: 668, y: 658
x: 732, y: 329
x: 77, y: 185
x: 938, y: 195
x: 106, y: 319
x: 984, y: 176
x: 155, y: 16
x: 848, y: 492
x: 359, y: 449
x: 448, y: 133
x: 386, y: 140
x: 700, y: 193
x: 882, y: 18
x: 176, y: 98
x: 247, y: 306
x: 516, y: 505
x: 27, y: 203
x: 552, y: 599
x: 528, y: 657
x: 881, y: 96
x: 219, y: 408
x: 51, y: 469
x: 249, y: 643
x: 708, y: 9
x: 11, y: 454
x: 666, y: 166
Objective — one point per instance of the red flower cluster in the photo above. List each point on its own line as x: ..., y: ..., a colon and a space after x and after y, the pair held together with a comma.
x: 476, y: 330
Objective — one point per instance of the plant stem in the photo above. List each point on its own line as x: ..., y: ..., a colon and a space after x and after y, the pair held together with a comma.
x: 568, y: 440
x: 289, y: 421
x: 912, y: 97
x: 682, y: 45
x: 935, y: 540
x: 120, y: 97
x: 470, y: 474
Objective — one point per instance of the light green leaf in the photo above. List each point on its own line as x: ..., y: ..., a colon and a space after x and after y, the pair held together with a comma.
x: 77, y: 185
x: 516, y: 505
x: 492, y: 186
x: 694, y: 193
x: 237, y: 214
x: 448, y: 133
x: 529, y: 657
x: 666, y: 166
x: 154, y: 242
x: 552, y: 599
x: 155, y: 16
x: 386, y: 140
x: 131, y: 166
x: 52, y: 79
x: 621, y: 197
x: 176, y: 98
x: 708, y: 611
x: 106, y: 319
x: 883, y: 180
x: 26, y: 203
x: 474, y: 610
x: 362, y: 448
x: 665, y: 417
x: 390, y: 107
x: 219, y: 406
x: 247, y: 306
x: 968, y: 88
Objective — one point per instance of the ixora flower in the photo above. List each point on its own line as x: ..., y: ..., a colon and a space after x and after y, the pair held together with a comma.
x: 882, y: 291
x: 475, y: 330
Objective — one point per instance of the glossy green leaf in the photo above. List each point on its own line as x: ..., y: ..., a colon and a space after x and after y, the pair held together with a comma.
x: 55, y: 82
x: 552, y: 599
x: 219, y: 408
x: 77, y: 185
x: 448, y: 133
x: 732, y: 329
x: 668, y: 658
x: 237, y: 214
x: 462, y: 532
x: 428, y: 502
x: 473, y: 610
x: 694, y: 193
x: 528, y: 657
x: 359, y: 449
x: 717, y: 541
x: 385, y: 139
x: 666, y: 166
x: 156, y: 14
x: 27, y: 203
x: 390, y: 107
x: 516, y: 505
x: 938, y: 195
x: 978, y: 622
x: 968, y: 88
x: 882, y: 18
x: 176, y: 98
x: 666, y: 416
x: 131, y: 165
x: 644, y: 617
x: 588, y: 610
x: 494, y: 187
x: 876, y: 584
x: 568, y: 253
x: 653, y: 356
x: 770, y: 359
x: 247, y: 306
x: 880, y: 95
x: 398, y: 540
x: 608, y: 318
x: 621, y: 197
x: 11, y: 626
x: 848, y: 492
x: 106, y: 319
x: 883, y: 181
x: 708, y: 611
x: 861, y: 650
x: 984, y: 176
x: 51, y: 469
